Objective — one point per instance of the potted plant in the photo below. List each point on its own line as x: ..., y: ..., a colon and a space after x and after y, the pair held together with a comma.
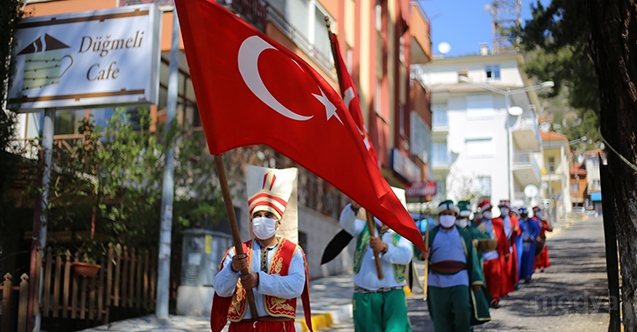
x: 87, y: 265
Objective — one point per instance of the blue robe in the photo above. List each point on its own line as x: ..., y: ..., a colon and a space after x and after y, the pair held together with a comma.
x: 529, y: 229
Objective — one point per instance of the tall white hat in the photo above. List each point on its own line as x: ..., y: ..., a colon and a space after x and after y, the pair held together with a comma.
x: 274, y: 190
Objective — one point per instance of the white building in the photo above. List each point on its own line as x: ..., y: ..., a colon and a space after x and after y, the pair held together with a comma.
x: 478, y: 148
x: 555, y: 168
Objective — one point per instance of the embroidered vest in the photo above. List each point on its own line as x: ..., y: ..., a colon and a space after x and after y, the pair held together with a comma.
x: 274, y: 306
x: 361, y: 247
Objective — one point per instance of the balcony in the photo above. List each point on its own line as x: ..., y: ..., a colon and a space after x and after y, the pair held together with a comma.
x: 525, y: 168
x: 526, y: 133
x: 440, y: 123
x: 441, y: 161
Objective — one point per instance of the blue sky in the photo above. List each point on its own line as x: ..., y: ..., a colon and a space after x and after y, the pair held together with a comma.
x: 464, y: 24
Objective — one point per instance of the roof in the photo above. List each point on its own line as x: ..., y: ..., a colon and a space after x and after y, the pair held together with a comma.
x: 552, y: 136
x: 578, y: 168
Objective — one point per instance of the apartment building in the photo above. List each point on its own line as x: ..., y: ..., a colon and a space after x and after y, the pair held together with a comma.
x: 557, y: 162
x: 485, y: 137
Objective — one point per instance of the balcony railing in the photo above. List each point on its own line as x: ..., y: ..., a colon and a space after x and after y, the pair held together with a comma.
x: 441, y: 160
x: 440, y: 119
x: 254, y: 12
x: 528, y: 120
x: 525, y: 158
x: 323, y: 60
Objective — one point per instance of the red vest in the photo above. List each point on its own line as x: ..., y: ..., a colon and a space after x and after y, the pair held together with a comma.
x: 237, y: 305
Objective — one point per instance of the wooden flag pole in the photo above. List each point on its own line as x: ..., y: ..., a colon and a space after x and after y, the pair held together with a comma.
x: 371, y: 228
x: 234, y: 228
x: 426, y: 281
x: 370, y: 218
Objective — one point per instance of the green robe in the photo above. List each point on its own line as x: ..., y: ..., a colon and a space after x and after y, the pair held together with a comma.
x: 479, y: 299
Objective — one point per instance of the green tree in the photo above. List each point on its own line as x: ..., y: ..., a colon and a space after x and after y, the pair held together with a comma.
x: 555, y: 42
x: 9, y: 162
x: 107, y: 184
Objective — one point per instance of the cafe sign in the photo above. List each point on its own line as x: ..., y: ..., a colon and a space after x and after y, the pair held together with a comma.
x: 97, y: 58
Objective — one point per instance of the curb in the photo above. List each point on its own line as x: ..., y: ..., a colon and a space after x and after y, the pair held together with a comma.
x: 325, y: 320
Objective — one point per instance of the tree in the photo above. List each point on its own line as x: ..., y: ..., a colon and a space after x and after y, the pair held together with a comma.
x: 108, y: 182
x: 613, y: 47
x: 556, y: 45
x: 9, y: 16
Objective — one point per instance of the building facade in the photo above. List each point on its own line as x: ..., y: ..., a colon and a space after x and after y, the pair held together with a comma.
x: 485, y: 136
x: 556, y: 167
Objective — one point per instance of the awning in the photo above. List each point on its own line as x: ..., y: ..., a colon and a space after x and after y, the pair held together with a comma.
x: 596, y: 197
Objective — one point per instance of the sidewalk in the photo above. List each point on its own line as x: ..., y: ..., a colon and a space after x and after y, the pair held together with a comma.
x: 331, y: 299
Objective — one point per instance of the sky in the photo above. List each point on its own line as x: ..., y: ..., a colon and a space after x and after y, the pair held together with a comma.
x: 464, y: 24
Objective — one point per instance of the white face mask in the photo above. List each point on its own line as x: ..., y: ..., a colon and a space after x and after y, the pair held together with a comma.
x: 447, y: 221
x: 487, y: 215
x: 264, y: 228
x: 504, y: 212
x: 538, y: 214
x: 462, y: 222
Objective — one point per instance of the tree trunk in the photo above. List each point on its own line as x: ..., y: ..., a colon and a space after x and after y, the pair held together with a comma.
x: 613, y: 43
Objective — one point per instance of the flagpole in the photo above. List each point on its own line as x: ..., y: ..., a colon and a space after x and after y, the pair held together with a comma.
x: 426, y: 276
x: 369, y: 217
x: 234, y: 228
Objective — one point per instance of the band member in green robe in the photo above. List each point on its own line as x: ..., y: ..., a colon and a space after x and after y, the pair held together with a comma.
x: 456, y: 297
x: 379, y: 305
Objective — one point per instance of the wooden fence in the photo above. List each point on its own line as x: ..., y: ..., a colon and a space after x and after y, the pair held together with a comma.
x: 126, y: 279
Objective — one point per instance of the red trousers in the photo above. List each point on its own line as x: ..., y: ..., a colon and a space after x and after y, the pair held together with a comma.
x: 510, y: 272
x: 494, y: 278
x: 542, y: 260
x: 284, y: 326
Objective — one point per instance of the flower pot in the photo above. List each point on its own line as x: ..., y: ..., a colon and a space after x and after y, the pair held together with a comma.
x: 86, y: 269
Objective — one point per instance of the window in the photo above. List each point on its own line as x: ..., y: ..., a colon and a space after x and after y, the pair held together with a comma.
x: 480, y: 106
x: 379, y: 16
x: 551, y: 164
x: 492, y: 72
x: 439, y: 154
x: 307, y: 19
x: 484, y: 185
x: 439, y: 115
x: 377, y: 103
x: 575, y: 187
x: 420, y: 137
x: 402, y: 120
x: 401, y: 47
x: 480, y: 147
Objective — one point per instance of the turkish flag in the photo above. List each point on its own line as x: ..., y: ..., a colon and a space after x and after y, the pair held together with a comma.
x: 252, y: 90
x: 350, y: 97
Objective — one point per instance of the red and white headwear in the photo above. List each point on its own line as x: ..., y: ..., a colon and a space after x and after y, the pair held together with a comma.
x: 484, y: 205
x: 536, y: 208
x: 269, y: 189
x: 274, y: 190
x: 505, y: 203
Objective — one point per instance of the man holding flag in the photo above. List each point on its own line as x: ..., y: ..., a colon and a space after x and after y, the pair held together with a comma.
x: 237, y: 73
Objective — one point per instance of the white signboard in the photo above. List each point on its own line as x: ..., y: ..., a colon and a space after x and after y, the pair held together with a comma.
x: 95, y: 58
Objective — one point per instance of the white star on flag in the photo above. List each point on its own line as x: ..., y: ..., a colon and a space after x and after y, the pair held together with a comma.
x: 330, y: 109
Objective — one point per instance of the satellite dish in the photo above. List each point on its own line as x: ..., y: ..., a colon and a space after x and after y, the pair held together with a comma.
x: 444, y: 48
x: 516, y: 110
x: 530, y: 191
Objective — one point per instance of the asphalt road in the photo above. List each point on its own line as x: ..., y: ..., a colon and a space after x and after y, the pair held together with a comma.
x: 571, y: 295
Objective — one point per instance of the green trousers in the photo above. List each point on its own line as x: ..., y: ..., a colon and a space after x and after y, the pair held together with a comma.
x: 381, y: 312
x: 450, y: 308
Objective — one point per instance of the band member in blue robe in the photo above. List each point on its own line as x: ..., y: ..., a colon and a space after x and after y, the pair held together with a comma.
x: 530, y: 232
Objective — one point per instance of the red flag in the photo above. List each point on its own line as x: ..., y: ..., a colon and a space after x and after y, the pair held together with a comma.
x: 350, y: 97
x: 252, y: 90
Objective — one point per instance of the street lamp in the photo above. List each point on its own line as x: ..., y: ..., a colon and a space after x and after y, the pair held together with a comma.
x: 511, y: 110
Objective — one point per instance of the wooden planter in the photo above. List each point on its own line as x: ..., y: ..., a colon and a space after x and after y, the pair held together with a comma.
x: 86, y: 269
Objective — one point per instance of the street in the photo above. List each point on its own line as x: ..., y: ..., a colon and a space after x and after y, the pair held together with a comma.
x: 571, y: 295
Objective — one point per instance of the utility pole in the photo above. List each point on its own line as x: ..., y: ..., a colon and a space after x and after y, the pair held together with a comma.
x: 168, y: 183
